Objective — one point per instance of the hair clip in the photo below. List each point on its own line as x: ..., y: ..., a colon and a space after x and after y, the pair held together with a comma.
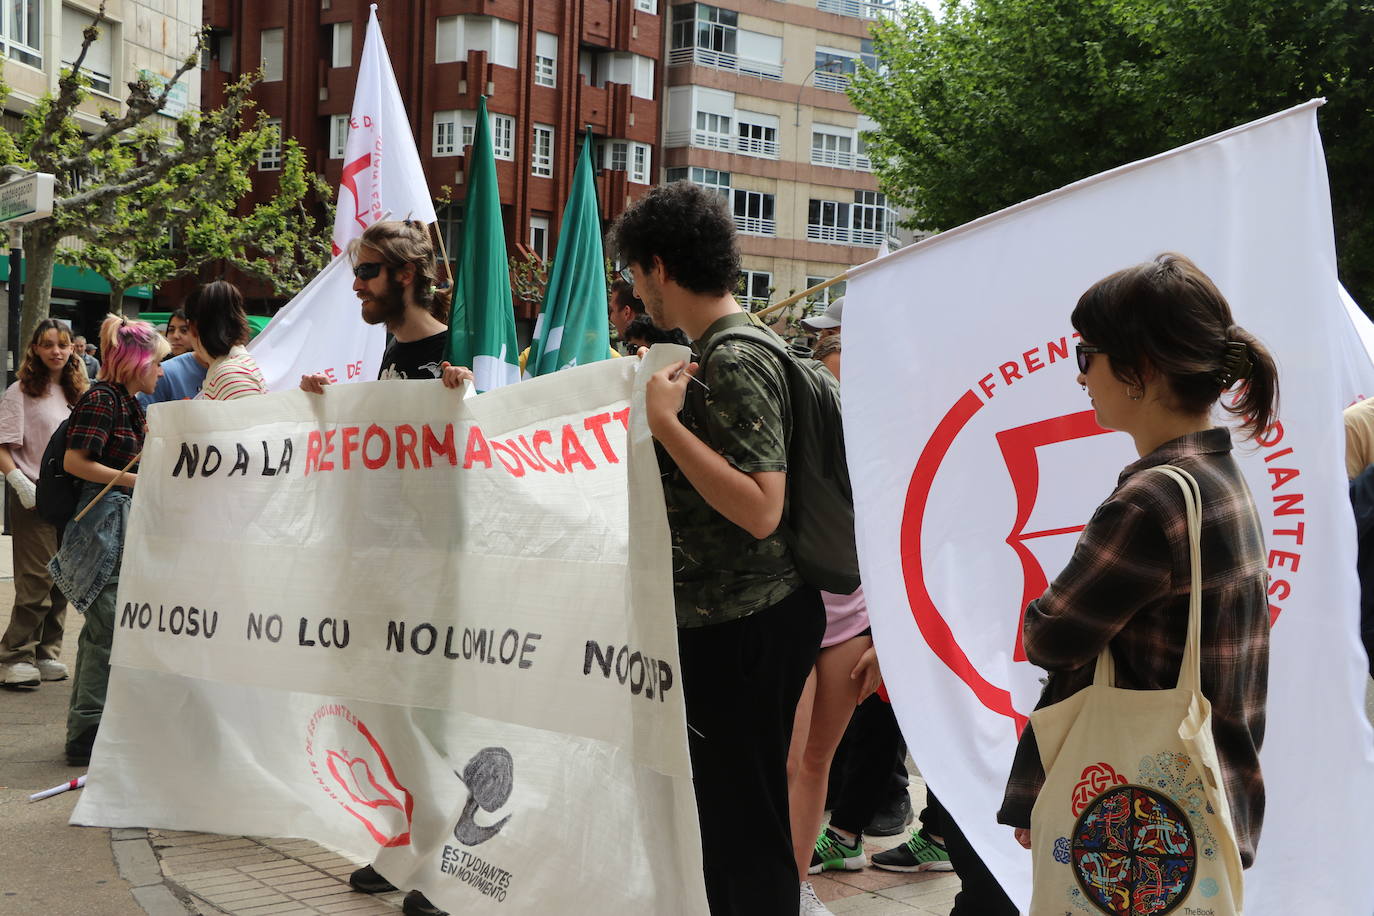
x: 1235, y: 364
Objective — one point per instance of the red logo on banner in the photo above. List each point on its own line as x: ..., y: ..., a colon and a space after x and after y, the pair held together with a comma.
x: 352, y: 768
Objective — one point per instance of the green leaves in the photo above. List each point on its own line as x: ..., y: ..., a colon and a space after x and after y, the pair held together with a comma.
x: 1000, y: 100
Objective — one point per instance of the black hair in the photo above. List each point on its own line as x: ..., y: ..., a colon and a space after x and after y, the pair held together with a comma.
x: 643, y: 328
x: 216, y: 311
x: 689, y: 229
x: 1167, y: 315
x: 623, y: 295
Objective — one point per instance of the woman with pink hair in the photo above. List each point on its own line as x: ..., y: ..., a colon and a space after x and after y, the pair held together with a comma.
x: 104, y: 438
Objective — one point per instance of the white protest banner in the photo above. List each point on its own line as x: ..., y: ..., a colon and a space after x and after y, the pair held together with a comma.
x: 976, y: 461
x: 321, y: 329
x: 387, y: 618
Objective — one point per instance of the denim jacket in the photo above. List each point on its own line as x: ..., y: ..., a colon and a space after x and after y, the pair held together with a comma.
x: 92, y: 547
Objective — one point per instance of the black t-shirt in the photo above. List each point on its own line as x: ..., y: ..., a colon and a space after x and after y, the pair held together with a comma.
x: 416, y: 359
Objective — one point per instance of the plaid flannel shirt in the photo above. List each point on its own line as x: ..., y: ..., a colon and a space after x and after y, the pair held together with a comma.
x: 1127, y: 587
x: 108, y: 422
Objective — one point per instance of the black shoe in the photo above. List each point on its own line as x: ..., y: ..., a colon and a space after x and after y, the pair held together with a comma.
x: 416, y: 904
x: 366, y: 881
x: 892, y: 819
x: 78, y: 750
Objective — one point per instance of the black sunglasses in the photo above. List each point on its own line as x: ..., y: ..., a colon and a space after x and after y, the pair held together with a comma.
x: 367, y: 269
x: 1083, y: 351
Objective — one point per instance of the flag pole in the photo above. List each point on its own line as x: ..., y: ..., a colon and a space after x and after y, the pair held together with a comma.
x: 801, y: 295
x: 448, y: 265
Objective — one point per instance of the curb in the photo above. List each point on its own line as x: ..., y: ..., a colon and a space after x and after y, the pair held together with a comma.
x: 137, y: 863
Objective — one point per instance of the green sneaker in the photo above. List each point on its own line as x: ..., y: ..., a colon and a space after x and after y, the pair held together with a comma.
x: 916, y: 854
x: 832, y: 854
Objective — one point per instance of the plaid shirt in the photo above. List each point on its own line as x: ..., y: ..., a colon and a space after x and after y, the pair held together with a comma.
x: 1127, y: 586
x: 107, y: 422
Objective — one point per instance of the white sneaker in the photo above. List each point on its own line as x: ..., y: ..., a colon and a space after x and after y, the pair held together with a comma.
x: 50, y: 669
x: 19, y: 674
x: 811, y: 904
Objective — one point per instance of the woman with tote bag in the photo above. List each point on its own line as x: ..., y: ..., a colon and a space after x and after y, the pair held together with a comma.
x: 1137, y: 785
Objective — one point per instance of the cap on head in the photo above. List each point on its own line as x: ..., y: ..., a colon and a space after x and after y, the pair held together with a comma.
x: 830, y: 318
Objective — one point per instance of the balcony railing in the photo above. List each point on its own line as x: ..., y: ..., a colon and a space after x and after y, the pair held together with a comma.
x: 843, y: 235
x: 752, y: 146
x: 753, y: 225
x: 833, y: 82
x: 841, y: 159
x: 857, y: 9
x: 721, y: 61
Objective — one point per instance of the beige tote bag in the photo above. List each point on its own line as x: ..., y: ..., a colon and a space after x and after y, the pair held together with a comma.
x: 1133, y: 818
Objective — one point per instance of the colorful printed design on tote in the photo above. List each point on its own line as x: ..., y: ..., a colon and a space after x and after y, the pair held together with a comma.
x: 1133, y: 852
x: 1096, y: 779
x: 1174, y: 775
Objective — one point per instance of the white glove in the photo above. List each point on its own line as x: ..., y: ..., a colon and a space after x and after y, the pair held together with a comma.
x: 23, y: 488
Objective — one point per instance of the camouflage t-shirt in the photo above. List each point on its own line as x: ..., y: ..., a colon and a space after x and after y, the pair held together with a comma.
x: 720, y: 571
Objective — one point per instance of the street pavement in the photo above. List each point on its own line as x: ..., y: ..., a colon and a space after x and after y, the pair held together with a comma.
x: 49, y: 868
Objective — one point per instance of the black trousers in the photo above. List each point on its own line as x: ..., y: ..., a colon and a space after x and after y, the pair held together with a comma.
x: 980, y: 894
x: 741, y: 681
x: 872, y: 772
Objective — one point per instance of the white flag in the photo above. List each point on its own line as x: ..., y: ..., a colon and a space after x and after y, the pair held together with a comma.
x: 381, y: 174
x: 976, y: 461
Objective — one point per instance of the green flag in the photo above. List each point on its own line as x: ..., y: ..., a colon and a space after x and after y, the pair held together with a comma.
x: 482, y: 330
x: 572, y: 326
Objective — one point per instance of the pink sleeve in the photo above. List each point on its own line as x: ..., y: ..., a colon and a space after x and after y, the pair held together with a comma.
x: 12, y: 416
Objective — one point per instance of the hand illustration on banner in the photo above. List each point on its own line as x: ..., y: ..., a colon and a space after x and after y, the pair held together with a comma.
x: 357, y: 774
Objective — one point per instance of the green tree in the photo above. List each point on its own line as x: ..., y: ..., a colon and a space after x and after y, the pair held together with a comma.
x: 150, y: 203
x: 996, y: 101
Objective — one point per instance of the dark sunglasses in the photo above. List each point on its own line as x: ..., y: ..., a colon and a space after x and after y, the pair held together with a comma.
x: 1083, y: 351
x: 367, y: 269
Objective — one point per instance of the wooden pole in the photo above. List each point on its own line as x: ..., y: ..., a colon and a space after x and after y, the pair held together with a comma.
x: 801, y: 295
x: 448, y: 265
x: 82, y: 514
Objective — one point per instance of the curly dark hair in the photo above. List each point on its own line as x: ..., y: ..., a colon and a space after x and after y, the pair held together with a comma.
x: 216, y: 311
x: 644, y: 330
x: 33, y: 375
x: 689, y: 229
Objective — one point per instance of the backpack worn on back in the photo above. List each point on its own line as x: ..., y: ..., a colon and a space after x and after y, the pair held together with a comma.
x: 58, y: 491
x: 818, y: 518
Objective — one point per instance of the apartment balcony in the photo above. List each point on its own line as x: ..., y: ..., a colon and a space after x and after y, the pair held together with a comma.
x: 719, y: 60
x: 838, y: 159
x: 753, y: 225
x: 843, y: 235
x: 857, y: 9
x: 831, y: 82
x: 749, y: 146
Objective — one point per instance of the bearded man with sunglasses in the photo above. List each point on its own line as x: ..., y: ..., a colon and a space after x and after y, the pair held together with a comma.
x: 394, y: 278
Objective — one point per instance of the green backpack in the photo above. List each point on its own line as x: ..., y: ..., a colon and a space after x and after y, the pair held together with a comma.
x: 818, y: 515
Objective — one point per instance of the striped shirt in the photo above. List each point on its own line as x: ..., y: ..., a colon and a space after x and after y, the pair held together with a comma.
x: 1127, y: 585
x: 232, y: 376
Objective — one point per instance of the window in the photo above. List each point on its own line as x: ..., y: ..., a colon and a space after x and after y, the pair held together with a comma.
x: 710, y: 179
x: 834, y: 68
x: 617, y: 155
x: 99, y: 63
x: 545, y: 59
x: 696, y: 25
x: 341, y: 42
x: 269, y: 160
x: 867, y: 55
x: 756, y: 134
x: 449, y: 222
x: 539, y: 236
x: 338, y: 135
x: 713, y: 130
x: 503, y: 136
x: 455, y: 36
x: 832, y: 146
x: 446, y: 133
x: 864, y: 222
x: 639, y: 163
x: 755, y: 288
x: 634, y: 70
x: 21, y: 30
x: 225, y: 51
x: 541, y: 153
x: 271, y: 61
x: 825, y: 296
x: 754, y: 212
x: 647, y: 6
